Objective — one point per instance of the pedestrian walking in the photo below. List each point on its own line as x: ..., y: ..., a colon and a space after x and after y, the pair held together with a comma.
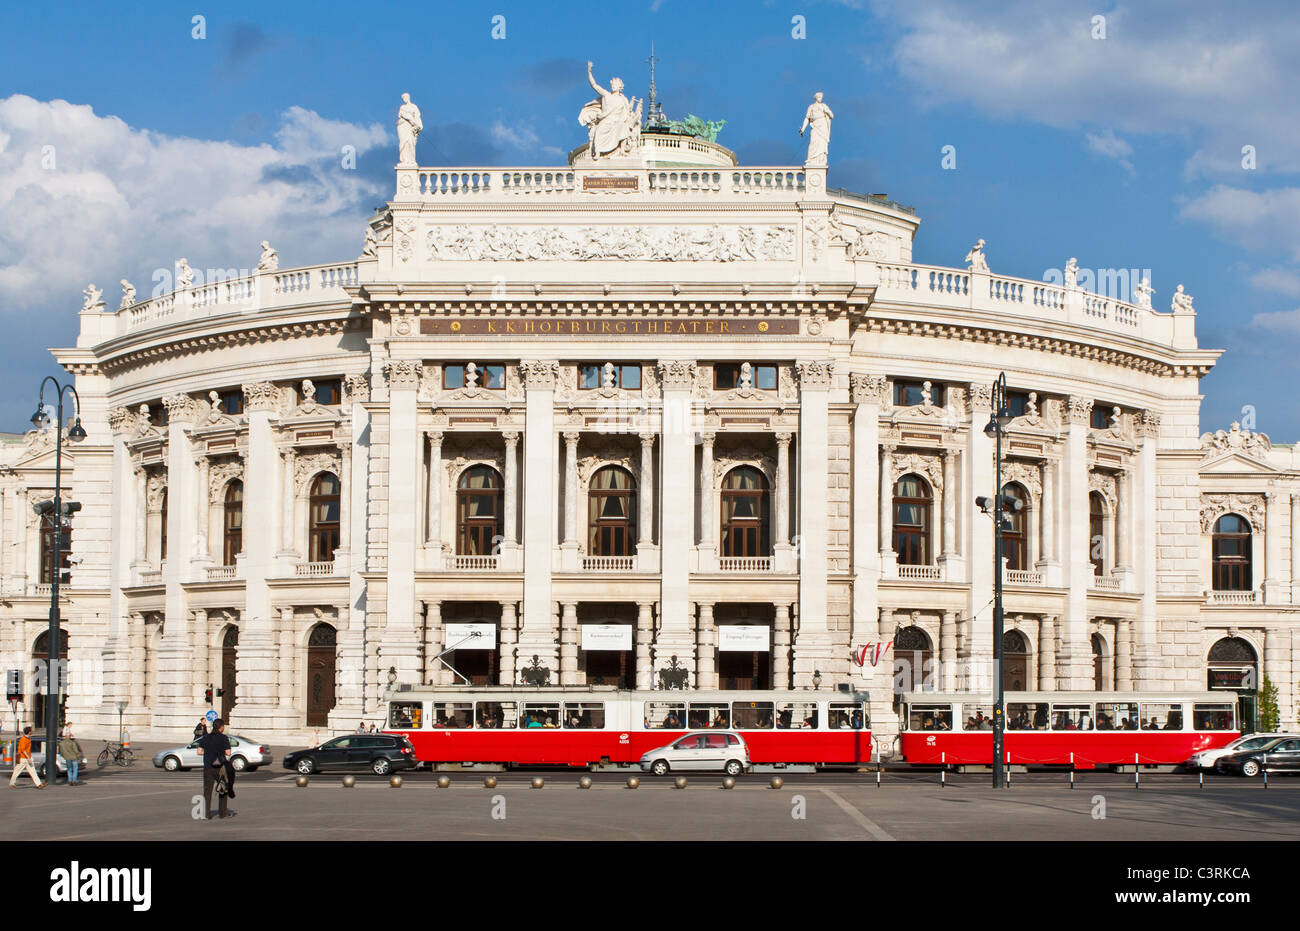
x: 200, y: 729
x: 214, y: 748
x: 71, y: 751
x: 23, y: 760
x: 361, y: 727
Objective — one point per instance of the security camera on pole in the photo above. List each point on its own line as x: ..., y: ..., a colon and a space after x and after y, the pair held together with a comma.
x: 998, y: 422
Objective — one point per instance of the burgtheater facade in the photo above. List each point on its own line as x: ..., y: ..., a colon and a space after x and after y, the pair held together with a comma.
x: 653, y: 419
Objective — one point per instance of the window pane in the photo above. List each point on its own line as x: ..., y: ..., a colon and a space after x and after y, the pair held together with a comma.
x: 794, y: 715
x: 1071, y: 717
x: 665, y: 714
x: 1027, y: 716
x: 589, y: 376
x: 709, y: 714
x: 492, y: 376
x: 1161, y: 717
x: 406, y: 714
x: 447, y: 714
x: 540, y: 714
x: 752, y: 715
x: 584, y: 715
x: 978, y: 717
x: 929, y: 717
x: 1212, y: 717
x: 726, y: 375
x: 847, y: 715
x: 494, y: 715
x: 631, y: 375
x: 1117, y: 716
x: 453, y: 376
x: 765, y: 377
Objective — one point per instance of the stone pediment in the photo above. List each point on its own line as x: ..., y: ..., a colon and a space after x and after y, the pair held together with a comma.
x: 1235, y: 463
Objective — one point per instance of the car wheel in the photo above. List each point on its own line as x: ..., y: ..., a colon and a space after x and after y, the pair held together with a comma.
x: 238, y: 764
x: 734, y: 767
x: 171, y: 764
x: 380, y: 767
x: 659, y: 767
x: 305, y: 766
x: 1250, y: 768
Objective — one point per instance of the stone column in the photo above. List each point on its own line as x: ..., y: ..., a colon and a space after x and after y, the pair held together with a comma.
x: 349, y: 703
x: 569, y: 644
x: 1295, y: 548
x: 781, y: 646
x: 782, y: 492
x: 288, y: 657
x: 401, y: 641
x: 141, y: 511
x: 949, y: 505
x: 432, y: 643
x: 288, y: 496
x: 177, y: 701
x: 201, y: 514
x: 569, y: 548
x: 677, y: 517
x: 1075, y: 653
x: 646, y: 498
x: 540, y: 484
x: 979, y: 480
x: 135, y: 638
x: 1047, y: 544
x: 867, y: 393
x: 433, y: 528
x: 511, y: 491
x: 345, y: 509
x: 1123, y: 570
x: 200, y: 678
x: 948, y: 650
x: 812, y: 646
x: 887, y: 554
x: 708, y: 520
x: 508, y: 666
x: 1146, y: 514
x: 1124, y: 654
x: 706, y: 649
x: 644, y: 637
x: 1274, y: 573
x: 1047, y: 654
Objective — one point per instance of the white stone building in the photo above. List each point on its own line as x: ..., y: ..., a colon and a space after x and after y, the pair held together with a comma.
x: 650, y: 412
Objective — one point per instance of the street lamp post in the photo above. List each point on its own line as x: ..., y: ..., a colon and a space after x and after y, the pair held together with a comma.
x: 52, y: 673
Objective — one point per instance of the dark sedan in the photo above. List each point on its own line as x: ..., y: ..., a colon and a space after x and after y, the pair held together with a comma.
x: 1276, y: 756
x: 379, y: 753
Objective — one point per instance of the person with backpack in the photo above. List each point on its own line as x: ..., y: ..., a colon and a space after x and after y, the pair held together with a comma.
x: 214, y: 748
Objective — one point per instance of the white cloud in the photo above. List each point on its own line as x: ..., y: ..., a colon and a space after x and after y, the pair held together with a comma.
x: 1260, y: 220
x: 1285, y: 322
x: 516, y: 137
x: 1109, y: 145
x: 1280, y: 280
x: 122, y: 201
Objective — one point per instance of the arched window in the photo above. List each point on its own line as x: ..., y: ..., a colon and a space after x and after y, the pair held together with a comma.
x: 232, y: 523
x: 912, y: 508
x: 1097, y: 533
x: 611, y: 513
x: 913, y: 661
x: 478, y: 511
x: 1014, y: 539
x: 745, y: 513
x: 1232, y: 665
x: 1015, y: 661
x: 1230, y: 547
x: 323, y: 511
x: 47, y: 549
x: 1098, y: 662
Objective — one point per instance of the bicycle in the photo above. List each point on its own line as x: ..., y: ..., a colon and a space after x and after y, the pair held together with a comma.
x: 119, y: 754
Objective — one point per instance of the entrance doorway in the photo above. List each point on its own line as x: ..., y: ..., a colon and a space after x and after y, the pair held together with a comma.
x: 40, y: 656
x: 479, y: 666
x: 1015, y: 661
x: 609, y: 667
x: 321, y: 662
x: 229, y: 644
x: 744, y: 669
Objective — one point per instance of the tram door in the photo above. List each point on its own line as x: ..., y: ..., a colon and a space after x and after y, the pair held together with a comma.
x: 229, y: 642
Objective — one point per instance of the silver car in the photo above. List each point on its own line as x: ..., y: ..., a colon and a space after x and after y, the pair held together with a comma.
x: 700, y: 751
x: 245, y: 754
x: 1207, y: 758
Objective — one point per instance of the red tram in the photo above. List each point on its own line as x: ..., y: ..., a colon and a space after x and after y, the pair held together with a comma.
x: 1083, y: 729
x: 585, y: 726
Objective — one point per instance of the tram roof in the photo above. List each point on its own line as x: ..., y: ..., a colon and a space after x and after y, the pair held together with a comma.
x: 1062, y: 698
x: 577, y: 692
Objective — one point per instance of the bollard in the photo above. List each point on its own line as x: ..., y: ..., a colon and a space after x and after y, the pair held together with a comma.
x: 679, y: 782
x: 1137, y: 773
x: 444, y: 782
x: 1264, y: 769
x: 633, y: 782
x: 538, y: 782
x: 878, y: 768
x: 302, y: 781
x: 1008, y: 771
x: 777, y: 782
x: 1201, y: 778
x: 728, y: 782
x: 489, y: 782
x: 349, y: 781
x: 943, y: 771
x: 584, y: 782
x: 395, y: 782
x: 1071, y: 769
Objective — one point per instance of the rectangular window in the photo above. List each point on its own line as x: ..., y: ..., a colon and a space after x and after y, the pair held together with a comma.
x: 451, y: 714
x: 158, y: 414
x: 1156, y: 716
x: 494, y: 715
x: 406, y: 715
x: 1027, y: 716
x: 484, y: 375
x: 231, y: 402
x: 1017, y: 403
x: 540, y: 714
x: 329, y: 391
x: 728, y: 375
x: 709, y: 714
x: 850, y: 715
x: 1100, y: 419
x: 752, y: 715
x: 793, y: 715
x: 591, y: 375
x: 1117, y: 716
x: 584, y: 715
x: 1212, y: 717
x: 1071, y: 717
x: 912, y: 394
x: 929, y: 717
x: 665, y: 714
x: 978, y: 717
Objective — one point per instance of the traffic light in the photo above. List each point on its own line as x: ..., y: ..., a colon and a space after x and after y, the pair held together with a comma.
x: 13, y: 685
x: 207, y: 695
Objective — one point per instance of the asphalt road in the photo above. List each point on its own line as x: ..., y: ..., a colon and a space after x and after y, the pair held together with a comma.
x: 143, y: 803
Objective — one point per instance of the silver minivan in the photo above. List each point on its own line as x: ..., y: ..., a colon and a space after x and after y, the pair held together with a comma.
x: 700, y: 751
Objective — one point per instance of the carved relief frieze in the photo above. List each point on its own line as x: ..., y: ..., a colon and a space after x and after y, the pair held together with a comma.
x: 679, y: 243
x: 219, y: 474
x: 1249, y: 506
x: 1236, y: 439
x: 931, y: 467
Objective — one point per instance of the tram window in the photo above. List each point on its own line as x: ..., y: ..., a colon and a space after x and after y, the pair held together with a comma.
x: 665, y: 714
x: 1071, y: 717
x: 1212, y: 717
x: 584, y: 715
x: 451, y: 714
x: 709, y: 714
x: 540, y: 714
x: 495, y: 714
x: 978, y: 718
x: 1161, y: 717
x: 1027, y: 716
x: 796, y: 714
x: 752, y: 715
x: 929, y: 718
x: 405, y: 714
x: 1117, y: 716
x: 846, y: 715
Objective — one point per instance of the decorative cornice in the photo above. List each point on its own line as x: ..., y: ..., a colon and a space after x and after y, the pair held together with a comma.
x: 261, y: 396
x: 539, y: 375
x: 1251, y: 507
x: 677, y: 375
x: 181, y: 408
x: 188, y: 346
x: 1080, y: 410
x: 403, y: 373
x: 815, y: 374
x: 868, y: 389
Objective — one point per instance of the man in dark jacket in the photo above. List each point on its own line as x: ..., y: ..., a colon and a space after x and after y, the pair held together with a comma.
x: 214, y: 748
x: 200, y: 729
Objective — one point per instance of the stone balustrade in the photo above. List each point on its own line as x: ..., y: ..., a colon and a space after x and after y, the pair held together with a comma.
x: 609, y: 563
x: 1232, y: 598
x: 314, y: 570
x: 745, y: 564
x: 919, y: 573
x: 1024, y: 577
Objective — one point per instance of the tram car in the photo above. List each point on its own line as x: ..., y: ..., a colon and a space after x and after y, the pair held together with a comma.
x: 1085, y: 730
x: 594, y: 725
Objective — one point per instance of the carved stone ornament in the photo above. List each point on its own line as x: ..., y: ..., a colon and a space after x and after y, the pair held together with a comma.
x: 121, y: 420
x: 1150, y: 424
x: 155, y: 488
x: 929, y: 466
x: 403, y: 373
x: 677, y: 375
x: 1080, y: 410
x: 715, y: 243
x: 261, y: 396
x: 1024, y: 473
x: 1105, y: 484
x: 728, y: 458
x: 814, y: 238
x: 815, y: 374
x: 181, y: 408
x: 144, y: 427
x: 539, y: 375
x: 1250, y: 507
x: 215, y: 416
x: 980, y: 398
x: 1237, y: 440
x: 219, y: 475
x: 405, y: 238
x: 457, y: 459
x: 305, y: 468
x: 356, y: 388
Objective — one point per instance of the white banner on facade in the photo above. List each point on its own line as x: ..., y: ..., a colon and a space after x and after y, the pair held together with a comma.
x: 744, y: 637
x: 607, y: 636
x: 471, y: 637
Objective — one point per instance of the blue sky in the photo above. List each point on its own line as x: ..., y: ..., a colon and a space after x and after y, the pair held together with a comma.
x: 1124, y: 151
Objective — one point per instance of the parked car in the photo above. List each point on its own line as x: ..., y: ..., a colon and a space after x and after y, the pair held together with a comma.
x: 1207, y: 758
x: 379, y: 753
x: 1281, y: 755
x: 707, y: 751
x: 245, y: 754
x: 38, y: 760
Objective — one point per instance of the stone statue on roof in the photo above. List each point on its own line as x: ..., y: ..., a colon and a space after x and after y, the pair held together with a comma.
x: 975, y: 260
x: 409, y: 126
x: 613, y: 122
x: 818, y: 116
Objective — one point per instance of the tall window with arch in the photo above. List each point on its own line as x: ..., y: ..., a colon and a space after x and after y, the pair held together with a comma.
x: 478, y: 511
x: 746, y: 516
x: 913, y: 506
x: 611, y: 513
x: 1230, y: 554
x: 323, y: 517
x: 232, y: 522
x: 47, y: 549
x: 1015, y: 539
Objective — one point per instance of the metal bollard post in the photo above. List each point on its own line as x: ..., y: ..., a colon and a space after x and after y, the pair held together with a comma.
x: 1008, y: 785
x: 1265, y: 769
x: 1071, y: 769
x: 1137, y: 773
x: 1201, y: 774
x: 943, y: 771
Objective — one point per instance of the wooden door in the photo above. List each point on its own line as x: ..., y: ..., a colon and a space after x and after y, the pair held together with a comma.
x: 321, y: 662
